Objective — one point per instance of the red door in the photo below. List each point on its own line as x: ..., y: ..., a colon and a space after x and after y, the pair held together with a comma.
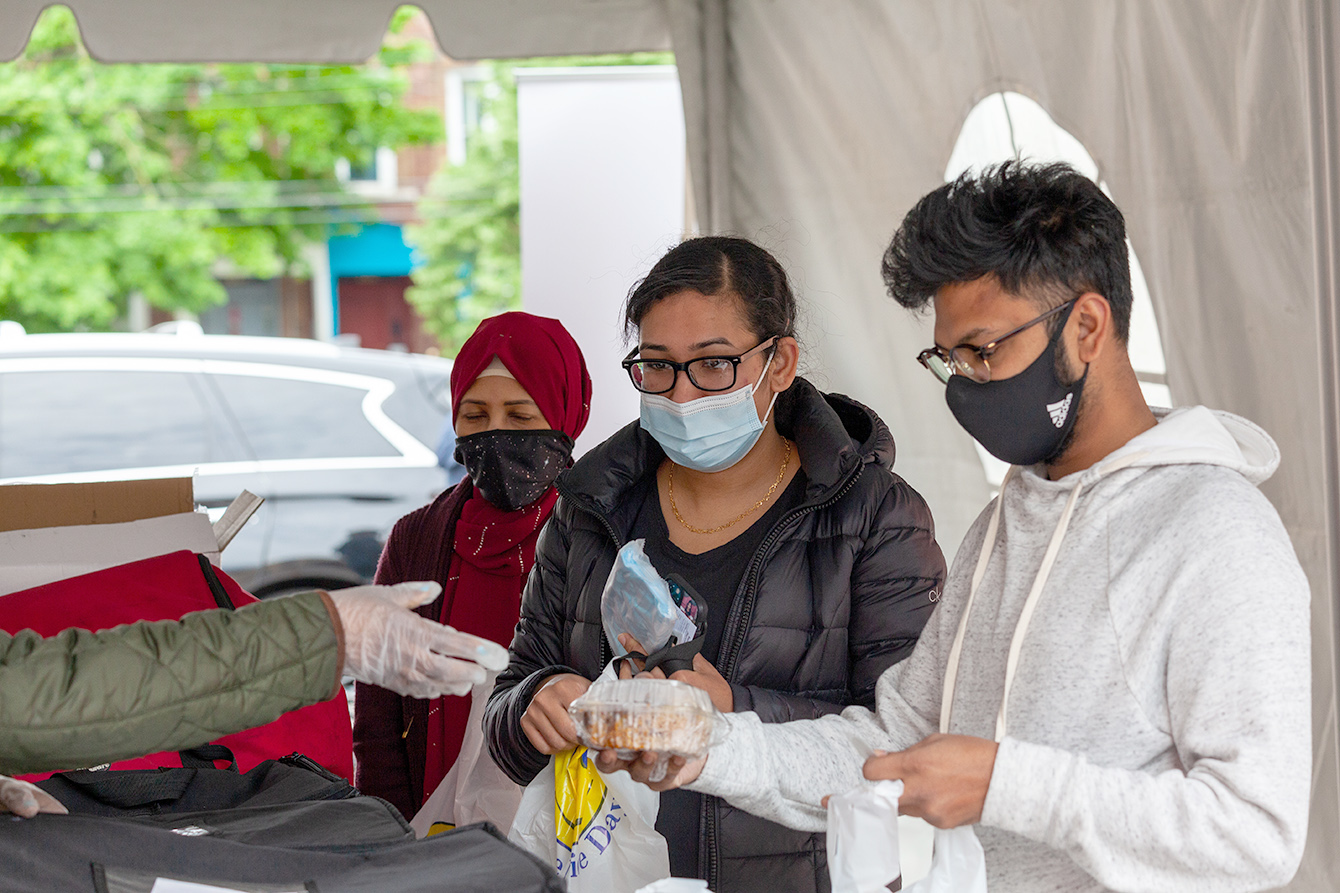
x: 375, y: 309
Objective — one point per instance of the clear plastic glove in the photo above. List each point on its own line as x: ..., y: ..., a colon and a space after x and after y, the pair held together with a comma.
x: 387, y: 644
x: 26, y: 800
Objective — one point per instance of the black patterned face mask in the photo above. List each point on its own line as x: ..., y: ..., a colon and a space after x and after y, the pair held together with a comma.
x: 514, y: 468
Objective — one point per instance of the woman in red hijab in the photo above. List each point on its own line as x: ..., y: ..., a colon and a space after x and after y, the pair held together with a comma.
x: 520, y: 395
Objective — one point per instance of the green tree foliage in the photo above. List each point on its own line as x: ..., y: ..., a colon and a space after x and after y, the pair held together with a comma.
x: 469, y: 244
x: 117, y: 179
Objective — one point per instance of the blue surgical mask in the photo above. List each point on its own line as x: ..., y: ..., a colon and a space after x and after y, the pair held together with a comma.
x: 710, y: 433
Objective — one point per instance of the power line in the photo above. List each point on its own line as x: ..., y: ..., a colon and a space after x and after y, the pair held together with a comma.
x: 192, y: 195
x: 299, y: 217
x: 183, y: 187
x: 115, y: 205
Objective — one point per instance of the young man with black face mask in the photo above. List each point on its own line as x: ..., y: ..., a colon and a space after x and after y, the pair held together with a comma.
x: 1114, y: 691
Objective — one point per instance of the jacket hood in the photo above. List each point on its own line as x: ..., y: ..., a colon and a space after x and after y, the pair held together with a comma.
x: 834, y: 434
x: 1197, y: 435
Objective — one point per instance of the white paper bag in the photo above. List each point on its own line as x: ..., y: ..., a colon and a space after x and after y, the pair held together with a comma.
x: 474, y: 789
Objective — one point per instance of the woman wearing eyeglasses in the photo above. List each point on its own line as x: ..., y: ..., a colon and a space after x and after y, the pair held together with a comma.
x: 775, y: 503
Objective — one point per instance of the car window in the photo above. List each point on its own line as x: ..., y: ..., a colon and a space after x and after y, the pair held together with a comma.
x: 286, y: 419
x: 422, y: 398
x: 57, y: 422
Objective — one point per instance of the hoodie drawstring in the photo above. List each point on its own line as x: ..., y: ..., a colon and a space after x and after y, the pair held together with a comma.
x: 1030, y: 603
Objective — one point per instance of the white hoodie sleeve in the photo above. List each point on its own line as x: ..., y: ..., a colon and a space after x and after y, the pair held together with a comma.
x: 781, y: 771
x: 1237, y: 680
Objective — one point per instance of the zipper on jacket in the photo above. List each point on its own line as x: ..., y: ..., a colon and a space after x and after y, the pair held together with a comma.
x: 606, y: 652
x: 726, y: 661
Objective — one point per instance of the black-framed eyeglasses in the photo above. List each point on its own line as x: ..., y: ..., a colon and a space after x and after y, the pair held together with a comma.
x: 975, y: 362
x: 705, y: 373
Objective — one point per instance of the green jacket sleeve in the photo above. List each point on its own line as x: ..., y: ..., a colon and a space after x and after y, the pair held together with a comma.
x: 80, y: 699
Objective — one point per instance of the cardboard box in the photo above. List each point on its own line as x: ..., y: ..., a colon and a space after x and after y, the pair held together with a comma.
x: 30, y: 506
x: 55, y: 531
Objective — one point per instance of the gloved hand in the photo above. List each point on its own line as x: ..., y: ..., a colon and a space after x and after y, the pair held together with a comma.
x: 27, y: 800
x: 387, y: 644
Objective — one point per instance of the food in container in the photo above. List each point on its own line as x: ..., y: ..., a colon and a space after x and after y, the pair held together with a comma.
x: 633, y: 715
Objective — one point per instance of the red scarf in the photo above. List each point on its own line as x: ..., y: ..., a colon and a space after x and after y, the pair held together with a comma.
x: 492, y: 555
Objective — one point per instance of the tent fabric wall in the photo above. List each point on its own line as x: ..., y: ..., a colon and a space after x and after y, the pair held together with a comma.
x: 1214, y: 125
x: 814, y: 127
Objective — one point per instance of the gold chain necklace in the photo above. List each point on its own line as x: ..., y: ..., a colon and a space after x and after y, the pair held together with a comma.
x: 781, y: 473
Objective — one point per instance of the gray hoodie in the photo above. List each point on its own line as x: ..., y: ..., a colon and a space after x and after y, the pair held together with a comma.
x: 1159, y: 732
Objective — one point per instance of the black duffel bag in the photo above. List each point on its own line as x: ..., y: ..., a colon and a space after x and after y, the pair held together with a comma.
x: 286, y: 826
x: 198, y: 785
x: 92, y: 854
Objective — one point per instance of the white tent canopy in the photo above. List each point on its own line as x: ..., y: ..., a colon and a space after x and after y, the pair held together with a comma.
x: 341, y: 30
x: 813, y: 127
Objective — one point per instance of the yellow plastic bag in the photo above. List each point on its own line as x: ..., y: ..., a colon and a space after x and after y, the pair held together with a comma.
x: 579, y: 796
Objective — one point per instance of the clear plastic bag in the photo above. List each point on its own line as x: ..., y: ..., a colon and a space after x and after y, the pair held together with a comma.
x: 637, y: 601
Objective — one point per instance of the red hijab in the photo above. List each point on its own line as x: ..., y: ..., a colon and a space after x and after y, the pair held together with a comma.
x: 543, y: 358
x: 493, y: 550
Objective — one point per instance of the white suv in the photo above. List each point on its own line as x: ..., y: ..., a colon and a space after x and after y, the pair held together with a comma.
x: 338, y: 440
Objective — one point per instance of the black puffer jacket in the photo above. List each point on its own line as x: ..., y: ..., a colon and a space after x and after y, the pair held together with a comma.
x: 838, y: 591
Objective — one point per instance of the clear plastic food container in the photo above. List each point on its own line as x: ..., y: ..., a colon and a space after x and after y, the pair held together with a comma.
x: 632, y: 715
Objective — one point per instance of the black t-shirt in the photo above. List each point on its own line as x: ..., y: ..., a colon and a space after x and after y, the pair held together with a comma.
x: 715, y: 575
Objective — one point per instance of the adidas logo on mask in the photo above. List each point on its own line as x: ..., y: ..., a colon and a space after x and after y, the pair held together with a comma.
x: 1059, y: 410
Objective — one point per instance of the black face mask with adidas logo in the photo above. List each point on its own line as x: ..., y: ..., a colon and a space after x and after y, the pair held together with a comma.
x: 1024, y: 419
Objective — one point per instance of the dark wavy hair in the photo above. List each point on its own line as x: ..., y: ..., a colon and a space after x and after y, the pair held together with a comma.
x: 1045, y: 231
x: 715, y: 266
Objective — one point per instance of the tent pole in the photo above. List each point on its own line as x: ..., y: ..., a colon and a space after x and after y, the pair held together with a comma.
x: 1326, y: 194
x: 716, y: 90
x: 1323, y: 42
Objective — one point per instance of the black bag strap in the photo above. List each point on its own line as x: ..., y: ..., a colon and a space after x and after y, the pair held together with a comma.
x: 628, y: 659
x: 203, y: 757
x: 674, y: 658
x: 216, y: 589
x: 128, y: 790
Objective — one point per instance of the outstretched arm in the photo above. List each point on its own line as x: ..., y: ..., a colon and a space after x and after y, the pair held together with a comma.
x: 81, y: 698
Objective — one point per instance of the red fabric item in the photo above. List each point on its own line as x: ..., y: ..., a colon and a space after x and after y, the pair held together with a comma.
x: 165, y: 588
x: 493, y: 550
x: 541, y: 355
x: 492, y: 556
